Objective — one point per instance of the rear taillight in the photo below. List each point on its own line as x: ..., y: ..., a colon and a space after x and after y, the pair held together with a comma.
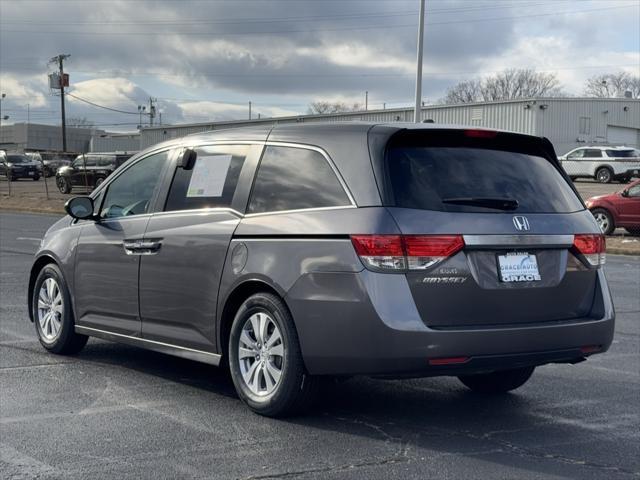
x: 397, y: 253
x: 591, y: 247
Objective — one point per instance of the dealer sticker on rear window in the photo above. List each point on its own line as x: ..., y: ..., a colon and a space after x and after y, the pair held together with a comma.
x: 518, y: 267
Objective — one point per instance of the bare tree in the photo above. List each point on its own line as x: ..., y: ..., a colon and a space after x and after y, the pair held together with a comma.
x: 506, y: 85
x: 613, y: 85
x: 320, y: 107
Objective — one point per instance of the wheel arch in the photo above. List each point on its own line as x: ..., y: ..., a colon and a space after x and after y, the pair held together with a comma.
x: 37, y: 266
x: 604, y: 165
x: 239, y: 294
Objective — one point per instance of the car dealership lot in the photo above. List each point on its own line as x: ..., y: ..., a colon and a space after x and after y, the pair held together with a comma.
x: 115, y: 411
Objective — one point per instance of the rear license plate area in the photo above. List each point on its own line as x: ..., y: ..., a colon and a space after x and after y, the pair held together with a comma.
x: 518, y: 267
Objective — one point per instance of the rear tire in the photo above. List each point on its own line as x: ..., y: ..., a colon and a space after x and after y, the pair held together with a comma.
x: 36, y: 178
x: 604, y: 220
x: 501, y: 381
x: 63, y: 184
x: 53, y: 315
x: 99, y: 181
x: 267, y: 368
x: 604, y: 175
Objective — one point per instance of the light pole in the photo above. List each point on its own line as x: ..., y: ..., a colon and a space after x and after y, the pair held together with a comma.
x: 417, y: 114
x: 141, y: 109
x: 6, y: 117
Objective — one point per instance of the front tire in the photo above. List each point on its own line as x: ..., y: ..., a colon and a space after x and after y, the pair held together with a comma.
x: 497, y: 382
x: 604, y: 175
x: 52, y: 314
x: 63, y: 184
x: 36, y: 178
x: 604, y: 220
x: 265, y: 359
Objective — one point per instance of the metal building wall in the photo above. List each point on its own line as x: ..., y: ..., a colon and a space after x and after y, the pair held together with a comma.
x: 115, y: 143
x: 560, y: 120
x: 557, y: 120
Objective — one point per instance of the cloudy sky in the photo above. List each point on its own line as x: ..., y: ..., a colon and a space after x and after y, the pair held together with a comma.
x: 206, y: 59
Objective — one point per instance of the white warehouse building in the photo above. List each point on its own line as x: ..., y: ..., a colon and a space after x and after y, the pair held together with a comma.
x: 566, y: 122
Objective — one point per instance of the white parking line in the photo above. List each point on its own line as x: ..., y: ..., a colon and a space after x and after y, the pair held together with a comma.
x: 31, y: 239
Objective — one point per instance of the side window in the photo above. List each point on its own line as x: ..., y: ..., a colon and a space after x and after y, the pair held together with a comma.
x: 291, y: 178
x: 634, y: 191
x: 132, y: 191
x: 211, y: 182
x: 592, y: 153
x: 575, y: 155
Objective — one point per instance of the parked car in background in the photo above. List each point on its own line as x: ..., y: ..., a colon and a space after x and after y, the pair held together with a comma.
x: 620, y: 209
x: 51, y: 165
x: 18, y: 165
x: 88, y: 170
x: 603, y: 164
x: 303, y: 251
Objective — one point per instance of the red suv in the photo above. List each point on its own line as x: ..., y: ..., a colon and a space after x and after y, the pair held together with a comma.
x: 620, y: 209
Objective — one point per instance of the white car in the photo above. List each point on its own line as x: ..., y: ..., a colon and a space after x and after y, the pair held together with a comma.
x: 603, y: 163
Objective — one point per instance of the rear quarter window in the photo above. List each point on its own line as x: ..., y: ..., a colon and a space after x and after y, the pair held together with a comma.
x: 290, y: 178
x: 429, y: 177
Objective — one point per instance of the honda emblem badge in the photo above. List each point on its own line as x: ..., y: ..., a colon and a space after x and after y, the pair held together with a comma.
x: 521, y: 223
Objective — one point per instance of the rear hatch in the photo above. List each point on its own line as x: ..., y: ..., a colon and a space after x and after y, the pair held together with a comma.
x: 493, y: 233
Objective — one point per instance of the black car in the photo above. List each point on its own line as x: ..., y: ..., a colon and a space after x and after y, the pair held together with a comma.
x: 88, y: 170
x: 51, y: 166
x: 15, y: 166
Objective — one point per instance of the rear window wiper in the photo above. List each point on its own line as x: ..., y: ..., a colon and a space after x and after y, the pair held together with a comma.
x: 495, y: 203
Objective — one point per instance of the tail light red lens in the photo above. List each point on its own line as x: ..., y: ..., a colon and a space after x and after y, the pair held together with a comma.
x: 592, y: 247
x: 405, y: 252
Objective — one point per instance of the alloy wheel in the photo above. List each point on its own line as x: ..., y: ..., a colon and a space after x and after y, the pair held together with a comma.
x: 50, y: 309
x: 261, y: 353
x: 603, y: 221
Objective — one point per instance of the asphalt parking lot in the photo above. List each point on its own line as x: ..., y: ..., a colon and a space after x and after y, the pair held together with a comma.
x: 115, y: 411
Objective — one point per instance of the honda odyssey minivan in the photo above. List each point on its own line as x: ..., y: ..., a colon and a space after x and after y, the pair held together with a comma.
x: 297, y: 252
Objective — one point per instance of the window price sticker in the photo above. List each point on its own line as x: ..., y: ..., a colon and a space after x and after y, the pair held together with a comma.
x: 209, y: 176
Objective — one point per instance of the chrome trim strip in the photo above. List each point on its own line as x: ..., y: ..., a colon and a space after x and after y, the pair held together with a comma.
x: 200, y: 211
x: 318, y: 209
x: 499, y: 241
x: 184, y: 352
x: 326, y: 157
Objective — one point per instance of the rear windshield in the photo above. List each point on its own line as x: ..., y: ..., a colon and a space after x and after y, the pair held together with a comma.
x: 465, y: 179
x: 622, y: 153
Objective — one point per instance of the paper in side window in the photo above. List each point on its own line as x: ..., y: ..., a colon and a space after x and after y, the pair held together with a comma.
x: 209, y: 175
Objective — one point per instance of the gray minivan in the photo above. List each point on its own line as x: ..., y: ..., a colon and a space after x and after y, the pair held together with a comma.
x: 297, y: 252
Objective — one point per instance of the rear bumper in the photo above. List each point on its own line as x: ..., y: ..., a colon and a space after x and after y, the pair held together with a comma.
x: 367, y: 323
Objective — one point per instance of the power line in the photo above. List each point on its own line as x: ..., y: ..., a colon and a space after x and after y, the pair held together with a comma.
x: 102, y: 106
x: 234, y: 21
x: 368, y: 27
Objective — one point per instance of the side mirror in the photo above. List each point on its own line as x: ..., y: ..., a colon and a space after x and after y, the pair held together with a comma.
x: 189, y: 159
x: 80, y: 208
x: 624, y: 193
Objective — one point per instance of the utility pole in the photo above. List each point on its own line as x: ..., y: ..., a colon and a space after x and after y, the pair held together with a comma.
x: 249, y: 110
x: 60, y: 59
x: 366, y: 100
x: 418, y: 110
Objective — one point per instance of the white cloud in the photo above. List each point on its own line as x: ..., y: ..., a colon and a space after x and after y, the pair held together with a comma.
x: 203, y: 111
x: 23, y: 90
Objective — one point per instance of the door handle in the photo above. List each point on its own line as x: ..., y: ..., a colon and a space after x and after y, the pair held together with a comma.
x: 142, y: 247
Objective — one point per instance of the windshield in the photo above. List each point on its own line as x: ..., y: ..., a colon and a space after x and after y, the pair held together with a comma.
x: 17, y: 159
x: 455, y: 179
